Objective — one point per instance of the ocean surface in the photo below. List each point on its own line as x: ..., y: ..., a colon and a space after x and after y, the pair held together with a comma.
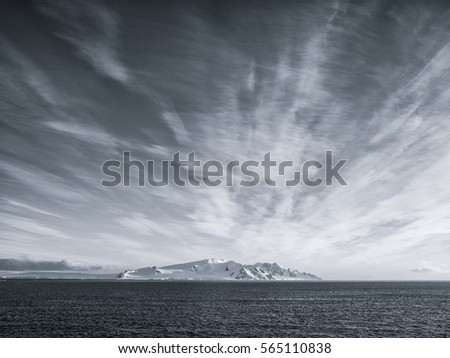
x: 224, y: 309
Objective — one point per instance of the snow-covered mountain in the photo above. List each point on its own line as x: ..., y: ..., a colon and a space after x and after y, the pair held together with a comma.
x: 217, y: 269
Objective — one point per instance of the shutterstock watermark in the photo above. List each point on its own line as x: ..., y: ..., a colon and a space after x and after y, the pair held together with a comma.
x: 193, y: 172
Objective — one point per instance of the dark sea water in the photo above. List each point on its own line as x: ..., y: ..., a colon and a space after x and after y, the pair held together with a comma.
x: 227, y: 309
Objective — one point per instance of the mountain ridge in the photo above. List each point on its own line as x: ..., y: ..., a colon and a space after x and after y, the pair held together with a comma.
x: 218, y: 270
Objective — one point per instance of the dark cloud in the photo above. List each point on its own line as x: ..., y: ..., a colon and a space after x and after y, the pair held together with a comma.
x: 29, y: 265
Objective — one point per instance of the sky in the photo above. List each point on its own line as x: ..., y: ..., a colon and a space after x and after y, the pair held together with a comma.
x: 231, y: 80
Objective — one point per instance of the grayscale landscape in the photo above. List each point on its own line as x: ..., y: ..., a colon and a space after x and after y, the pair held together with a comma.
x: 238, y: 168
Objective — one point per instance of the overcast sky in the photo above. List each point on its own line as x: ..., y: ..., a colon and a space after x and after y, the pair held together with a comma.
x: 83, y: 81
